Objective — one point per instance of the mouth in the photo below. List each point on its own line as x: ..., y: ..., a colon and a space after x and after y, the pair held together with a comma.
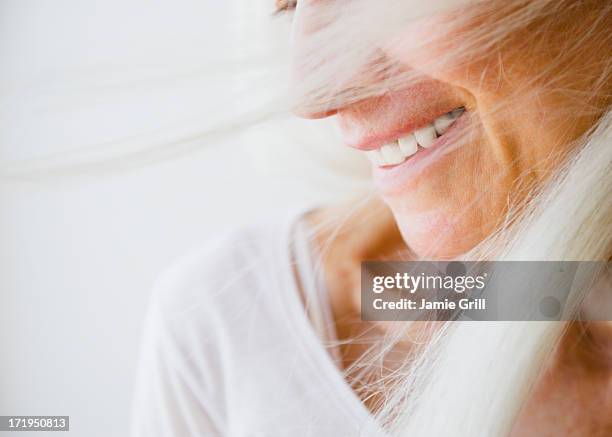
x: 408, y: 145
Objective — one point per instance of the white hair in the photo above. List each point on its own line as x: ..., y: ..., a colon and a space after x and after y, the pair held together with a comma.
x: 479, y: 374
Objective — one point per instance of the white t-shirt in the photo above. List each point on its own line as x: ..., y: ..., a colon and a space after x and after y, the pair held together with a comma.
x: 230, y: 349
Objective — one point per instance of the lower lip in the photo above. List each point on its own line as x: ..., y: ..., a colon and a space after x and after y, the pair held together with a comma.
x: 392, y: 177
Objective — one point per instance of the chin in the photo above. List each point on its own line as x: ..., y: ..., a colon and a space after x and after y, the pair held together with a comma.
x: 439, y: 234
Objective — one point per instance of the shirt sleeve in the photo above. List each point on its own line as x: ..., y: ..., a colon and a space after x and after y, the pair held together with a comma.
x: 172, y: 396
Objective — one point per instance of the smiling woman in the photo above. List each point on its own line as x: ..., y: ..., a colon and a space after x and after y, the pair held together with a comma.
x: 488, y: 127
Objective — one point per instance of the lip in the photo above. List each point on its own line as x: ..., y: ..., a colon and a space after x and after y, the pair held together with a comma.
x: 394, y: 176
x: 373, y: 142
x: 378, y: 121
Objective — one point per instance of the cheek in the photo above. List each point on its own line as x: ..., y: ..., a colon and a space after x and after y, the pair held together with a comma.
x: 429, y: 47
x: 457, y: 202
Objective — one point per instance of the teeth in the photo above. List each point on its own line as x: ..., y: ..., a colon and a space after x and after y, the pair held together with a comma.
x: 389, y: 154
x: 445, y: 121
x: 398, y: 151
x: 408, y: 145
x: 375, y: 157
x: 426, y: 135
x: 392, y: 154
x: 457, y: 112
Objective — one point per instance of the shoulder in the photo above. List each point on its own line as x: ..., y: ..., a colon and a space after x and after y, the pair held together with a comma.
x: 224, y: 274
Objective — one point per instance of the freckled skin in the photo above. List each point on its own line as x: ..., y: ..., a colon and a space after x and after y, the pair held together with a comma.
x: 460, y: 199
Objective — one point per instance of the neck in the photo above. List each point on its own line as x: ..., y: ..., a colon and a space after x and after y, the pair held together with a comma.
x: 346, y: 237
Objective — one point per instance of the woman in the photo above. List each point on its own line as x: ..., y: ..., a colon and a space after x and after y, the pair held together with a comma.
x: 487, y: 127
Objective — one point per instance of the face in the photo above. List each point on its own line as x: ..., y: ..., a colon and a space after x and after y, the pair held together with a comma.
x: 445, y: 158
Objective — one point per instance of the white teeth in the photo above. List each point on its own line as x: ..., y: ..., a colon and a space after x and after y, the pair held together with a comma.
x: 398, y: 151
x: 375, y: 157
x: 408, y: 145
x: 389, y: 154
x: 392, y: 154
x: 426, y: 135
x: 445, y: 121
x: 457, y: 112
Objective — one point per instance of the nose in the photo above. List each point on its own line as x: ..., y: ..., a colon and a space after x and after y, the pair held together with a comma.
x: 306, y: 22
x: 318, y: 88
x: 304, y: 113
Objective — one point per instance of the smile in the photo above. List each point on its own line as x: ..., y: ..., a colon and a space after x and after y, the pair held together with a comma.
x: 401, y: 149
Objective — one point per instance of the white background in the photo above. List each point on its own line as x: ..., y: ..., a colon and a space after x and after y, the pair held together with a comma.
x: 80, y: 251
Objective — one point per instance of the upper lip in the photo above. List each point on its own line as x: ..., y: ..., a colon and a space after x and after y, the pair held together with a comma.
x: 372, y: 123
